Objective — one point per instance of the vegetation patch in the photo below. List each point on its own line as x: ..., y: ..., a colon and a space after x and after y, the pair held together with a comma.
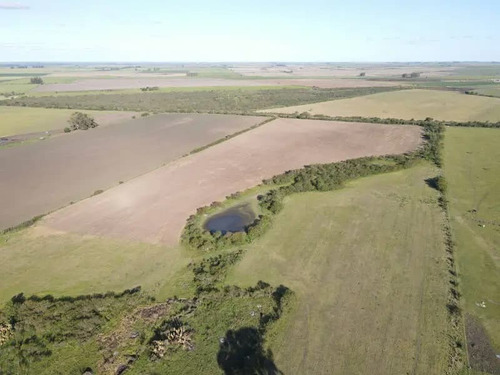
x: 111, y: 333
x: 212, y: 101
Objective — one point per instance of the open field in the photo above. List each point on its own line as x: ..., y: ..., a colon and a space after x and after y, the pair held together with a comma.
x: 493, y: 90
x: 40, y: 263
x: 367, y: 265
x: 22, y: 120
x: 130, y: 83
x: 472, y: 170
x: 154, y: 207
x: 245, y: 99
x: 47, y: 175
x: 340, y: 70
x: 408, y: 104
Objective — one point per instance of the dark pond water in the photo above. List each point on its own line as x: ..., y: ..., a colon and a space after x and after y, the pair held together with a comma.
x: 234, y: 219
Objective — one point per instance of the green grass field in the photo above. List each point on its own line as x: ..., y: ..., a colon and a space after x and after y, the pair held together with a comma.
x: 63, y: 264
x: 367, y: 265
x: 408, y: 104
x: 22, y: 120
x: 472, y: 169
x: 493, y: 90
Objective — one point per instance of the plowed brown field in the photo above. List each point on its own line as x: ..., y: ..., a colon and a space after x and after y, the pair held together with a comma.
x: 154, y: 207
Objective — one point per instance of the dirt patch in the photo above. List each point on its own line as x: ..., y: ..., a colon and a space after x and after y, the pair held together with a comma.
x: 482, y: 357
x: 43, y: 176
x: 154, y: 207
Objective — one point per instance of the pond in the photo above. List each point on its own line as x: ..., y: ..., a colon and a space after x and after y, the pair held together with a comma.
x: 234, y: 219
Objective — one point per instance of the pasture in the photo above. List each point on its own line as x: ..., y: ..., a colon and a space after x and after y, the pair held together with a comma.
x: 22, y: 120
x: 49, y: 174
x: 472, y: 170
x: 154, y: 207
x: 408, y: 104
x: 367, y: 265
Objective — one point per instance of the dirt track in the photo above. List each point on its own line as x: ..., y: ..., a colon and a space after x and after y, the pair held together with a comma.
x: 154, y: 207
x: 46, y: 175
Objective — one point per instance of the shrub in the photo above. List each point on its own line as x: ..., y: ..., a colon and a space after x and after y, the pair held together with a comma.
x: 36, y: 81
x: 67, y: 130
x: 81, y: 121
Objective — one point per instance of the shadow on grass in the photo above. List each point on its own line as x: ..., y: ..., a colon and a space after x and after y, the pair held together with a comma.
x: 242, y: 353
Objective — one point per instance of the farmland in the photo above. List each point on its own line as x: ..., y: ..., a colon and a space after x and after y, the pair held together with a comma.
x: 408, y: 104
x: 220, y: 101
x: 77, y: 164
x: 352, y: 265
x: 365, y: 261
x: 17, y: 120
x: 154, y: 207
x: 473, y: 173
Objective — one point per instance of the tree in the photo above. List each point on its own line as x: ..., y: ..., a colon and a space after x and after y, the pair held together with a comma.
x: 36, y: 81
x: 81, y: 121
x: 362, y: 74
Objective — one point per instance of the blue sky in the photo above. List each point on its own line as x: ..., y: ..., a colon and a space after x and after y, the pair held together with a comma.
x: 270, y: 30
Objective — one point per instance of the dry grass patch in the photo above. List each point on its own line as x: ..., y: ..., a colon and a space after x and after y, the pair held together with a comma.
x: 408, y: 104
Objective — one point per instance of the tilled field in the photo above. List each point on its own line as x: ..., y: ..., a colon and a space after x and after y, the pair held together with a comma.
x: 44, y: 176
x: 154, y: 207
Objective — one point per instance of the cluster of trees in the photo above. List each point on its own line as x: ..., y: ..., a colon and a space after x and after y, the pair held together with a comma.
x: 394, y: 121
x: 147, y: 88
x: 411, y: 75
x: 36, y: 81
x: 80, y: 121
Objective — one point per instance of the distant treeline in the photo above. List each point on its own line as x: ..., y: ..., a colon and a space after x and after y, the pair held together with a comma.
x: 236, y: 101
x: 391, y: 121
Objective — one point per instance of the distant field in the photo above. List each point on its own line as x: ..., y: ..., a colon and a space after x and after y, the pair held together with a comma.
x: 408, y: 104
x: 22, y: 120
x: 490, y: 90
x: 49, y: 174
x: 190, y: 100
x: 472, y: 168
x: 367, y: 265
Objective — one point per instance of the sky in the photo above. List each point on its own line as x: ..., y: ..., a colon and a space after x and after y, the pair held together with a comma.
x: 257, y: 30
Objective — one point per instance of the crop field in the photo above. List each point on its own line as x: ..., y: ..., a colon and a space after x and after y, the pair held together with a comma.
x: 472, y: 170
x: 154, y: 207
x: 367, y: 265
x: 22, y: 120
x: 49, y: 174
x: 493, y: 90
x: 226, y: 100
x: 408, y: 104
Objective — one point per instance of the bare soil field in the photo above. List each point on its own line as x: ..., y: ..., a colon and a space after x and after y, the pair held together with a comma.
x: 155, y: 206
x: 134, y: 83
x: 114, y: 73
x: 43, y: 176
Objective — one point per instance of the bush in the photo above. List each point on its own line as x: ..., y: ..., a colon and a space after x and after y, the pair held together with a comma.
x: 36, y: 81
x: 67, y: 130
x: 81, y: 121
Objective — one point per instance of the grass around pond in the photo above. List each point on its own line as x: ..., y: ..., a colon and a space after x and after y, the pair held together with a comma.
x: 367, y: 265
